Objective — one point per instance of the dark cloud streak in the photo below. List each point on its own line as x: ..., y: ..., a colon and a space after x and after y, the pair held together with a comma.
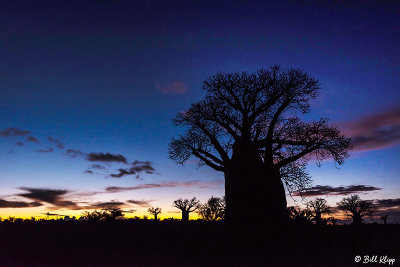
x: 136, y: 169
x: 375, y: 131
x: 18, y: 204
x: 45, y: 150
x: 13, y: 132
x: 32, y: 139
x: 57, y: 142
x: 106, y: 157
x: 320, y: 190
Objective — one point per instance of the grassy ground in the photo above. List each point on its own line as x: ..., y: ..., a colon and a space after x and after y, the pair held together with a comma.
x: 125, y: 243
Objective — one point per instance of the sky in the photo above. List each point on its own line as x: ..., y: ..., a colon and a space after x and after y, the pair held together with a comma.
x: 88, y: 91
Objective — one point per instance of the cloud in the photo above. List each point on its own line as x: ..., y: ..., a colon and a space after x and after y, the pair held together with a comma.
x: 51, y: 196
x: 106, y: 205
x: 176, y: 87
x: 106, y: 157
x: 20, y: 144
x: 330, y: 190
x: 32, y: 139
x: 95, y: 167
x: 57, y: 142
x: 13, y: 132
x: 73, y: 153
x: 137, y: 167
x: 387, y: 203
x: 141, y: 203
x: 45, y: 150
x: 196, y: 183
x: 18, y: 204
x: 98, y: 167
x: 375, y: 131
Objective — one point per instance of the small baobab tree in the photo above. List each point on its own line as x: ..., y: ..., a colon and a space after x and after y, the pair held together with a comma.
x: 155, y: 212
x: 213, y: 209
x: 318, y: 207
x: 356, y: 208
x: 300, y: 216
x: 186, y: 206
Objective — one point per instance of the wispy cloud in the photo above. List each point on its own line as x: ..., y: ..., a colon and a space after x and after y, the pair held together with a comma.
x: 32, y: 139
x: 320, y: 190
x: 105, y: 205
x: 106, y: 157
x: 20, y: 144
x: 136, y: 169
x: 73, y: 153
x: 51, y: 196
x: 387, y: 203
x: 18, y: 204
x: 57, y: 142
x: 141, y: 203
x: 176, y: 87
x: 45, y: 150
x: 196, y: 183
x: 13, y: 132
x: 375, y: 131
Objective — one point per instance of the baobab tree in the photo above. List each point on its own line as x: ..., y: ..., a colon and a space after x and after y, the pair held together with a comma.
x: 186, y: 206
x: 155, y: 212
x: 213, y: 209
x: 318, y: 207
x: 248, y: 128
x: 356, y: 208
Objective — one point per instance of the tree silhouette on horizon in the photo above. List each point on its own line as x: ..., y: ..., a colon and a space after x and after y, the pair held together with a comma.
x: 247, y: 127
x: 155, y: 212
x: 318, y: 207
x: 186, y: 206
x: 214, y: 209
x: 356, y: 208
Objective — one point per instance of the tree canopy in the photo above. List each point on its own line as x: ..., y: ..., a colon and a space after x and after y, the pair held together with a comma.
x: 261, y: 111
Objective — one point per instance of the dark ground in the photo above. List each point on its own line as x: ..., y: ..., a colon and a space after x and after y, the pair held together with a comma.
x: 127, y: 243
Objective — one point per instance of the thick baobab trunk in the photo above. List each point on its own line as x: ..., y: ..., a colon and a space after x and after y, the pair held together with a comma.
x: 357, y: 220
x: 253, y: 191
x: 185, y: 216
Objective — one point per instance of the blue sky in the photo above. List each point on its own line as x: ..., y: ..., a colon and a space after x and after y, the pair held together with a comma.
x: 109, y: 76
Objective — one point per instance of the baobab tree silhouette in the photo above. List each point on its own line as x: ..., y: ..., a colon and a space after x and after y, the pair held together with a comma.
x: 186, y: 206
x: 155, y: 212
x: 356, y: 208
x: 318, y: 207
x: 247, y: 127
x: 213, y: 209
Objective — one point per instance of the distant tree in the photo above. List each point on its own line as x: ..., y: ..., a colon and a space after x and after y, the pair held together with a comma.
x: 186, y: 206
x: 384, y: 218
x: 248, y: 128
x: 155, y: 212
x: 103, y: 215
x: 213, y: 209
x: 333, y: 220
x: 318, y: 207
x: 356, y: 208
x: 304, y: 216
x: 115, y: 214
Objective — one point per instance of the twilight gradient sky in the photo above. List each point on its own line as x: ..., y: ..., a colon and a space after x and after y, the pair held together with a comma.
x: 81, y: 77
